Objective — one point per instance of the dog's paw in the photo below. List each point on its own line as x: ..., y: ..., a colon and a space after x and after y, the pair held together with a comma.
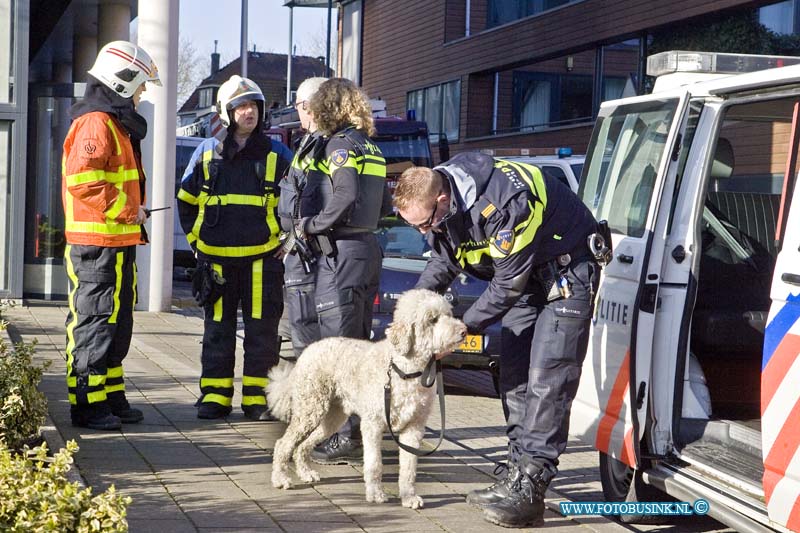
x: 413, y: 502
x: 281, y: 481
x: 376, y: 495
x: 308, y: 475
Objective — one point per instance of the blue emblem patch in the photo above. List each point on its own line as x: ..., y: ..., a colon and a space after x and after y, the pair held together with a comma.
x: 504, y: 241
x: 339, y: 157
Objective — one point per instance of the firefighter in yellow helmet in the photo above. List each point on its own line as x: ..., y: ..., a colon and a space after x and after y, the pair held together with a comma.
x: 227, y: 206
x: 103, y: 193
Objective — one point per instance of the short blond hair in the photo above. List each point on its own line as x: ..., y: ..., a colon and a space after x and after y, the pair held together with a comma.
x: 417, y: 185
x: 338, y: 104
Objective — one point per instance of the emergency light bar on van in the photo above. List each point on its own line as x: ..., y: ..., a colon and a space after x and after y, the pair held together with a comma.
x: 713, y: 62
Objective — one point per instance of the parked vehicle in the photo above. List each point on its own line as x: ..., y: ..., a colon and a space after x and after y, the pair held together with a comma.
x: 690, y: 383
x: 564, y: 166
x: 405, y: 254
x: 182, y: 255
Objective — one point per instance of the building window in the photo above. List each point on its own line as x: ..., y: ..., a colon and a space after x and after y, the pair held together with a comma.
x: 563, y: 91
x: 504, y: 11
x: 7, y: 50
x: 439, y: 106
x: 205, y: 97
x: 781, y: 18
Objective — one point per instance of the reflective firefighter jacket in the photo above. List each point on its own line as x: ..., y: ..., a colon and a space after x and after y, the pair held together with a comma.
x: 507, y: 221
x: 103, y: 183
x: 227, y: 206
x: 353, y: 196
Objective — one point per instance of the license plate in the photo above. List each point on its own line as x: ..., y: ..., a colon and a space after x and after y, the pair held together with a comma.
x: 472, y: 344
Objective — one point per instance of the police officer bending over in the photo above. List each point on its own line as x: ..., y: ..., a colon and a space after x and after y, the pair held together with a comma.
x: 349, y: 266
x: 526, y: 234
x: 227, y: 207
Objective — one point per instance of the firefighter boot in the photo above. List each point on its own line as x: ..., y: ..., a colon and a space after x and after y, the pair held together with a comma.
x: 524, y: 505
x: 121, y: 408
x: 259, y: 413
x: 211, y: 410
x: 496, y: 492
x: 94, y: 416
x: 339, y: 450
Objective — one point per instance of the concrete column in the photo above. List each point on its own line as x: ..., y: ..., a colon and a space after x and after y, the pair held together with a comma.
x: 158, y: 35
x: 84, y: 46
x: 113, y: 22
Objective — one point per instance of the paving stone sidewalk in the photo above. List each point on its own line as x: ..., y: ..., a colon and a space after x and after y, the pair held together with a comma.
x: 188, y: 475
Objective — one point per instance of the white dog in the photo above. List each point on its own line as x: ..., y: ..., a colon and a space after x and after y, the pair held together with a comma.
x: 337, y: 377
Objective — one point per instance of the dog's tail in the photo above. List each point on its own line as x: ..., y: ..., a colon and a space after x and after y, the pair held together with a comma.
x: 279, y: 390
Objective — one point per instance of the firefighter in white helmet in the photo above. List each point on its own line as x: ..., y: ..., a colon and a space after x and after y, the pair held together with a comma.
x: 228, y: 210
x: 103, y: 192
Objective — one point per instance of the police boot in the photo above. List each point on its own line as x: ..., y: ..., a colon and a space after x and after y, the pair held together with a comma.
x: 121, y: 408
x: 524, y: 505
x: 94, y: 416
x: 338, y: 450
x: 498, y: 491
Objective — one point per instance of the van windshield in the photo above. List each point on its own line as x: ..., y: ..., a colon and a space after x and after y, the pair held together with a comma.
x: 403, y: 151
x: 623, y: 159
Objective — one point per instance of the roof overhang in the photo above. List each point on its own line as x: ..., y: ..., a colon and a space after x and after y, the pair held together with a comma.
x: 310, y: 3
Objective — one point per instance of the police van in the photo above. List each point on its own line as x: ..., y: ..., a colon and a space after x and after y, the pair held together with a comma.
x: 691, y: 382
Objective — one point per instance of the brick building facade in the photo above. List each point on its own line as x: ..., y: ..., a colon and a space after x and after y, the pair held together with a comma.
x: 517, y: 73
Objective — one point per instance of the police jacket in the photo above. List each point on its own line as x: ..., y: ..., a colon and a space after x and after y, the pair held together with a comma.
x: 103, y: 181
x: 506, y: 222
x: 352, y: 196
x: 227, y: 204
x: 301, y: 194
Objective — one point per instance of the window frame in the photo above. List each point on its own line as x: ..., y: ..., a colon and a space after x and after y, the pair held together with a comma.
x: 421, y: 111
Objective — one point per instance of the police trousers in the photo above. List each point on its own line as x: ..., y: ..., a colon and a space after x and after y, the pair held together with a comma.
x: 299, y: 299
x: 346, y: 287
x: 258, y: 286
x: 99, y: 321
x: 544, y: 345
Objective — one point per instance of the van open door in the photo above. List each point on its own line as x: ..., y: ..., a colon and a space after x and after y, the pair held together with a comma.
x: 631, y: 162
x: 780, y: 368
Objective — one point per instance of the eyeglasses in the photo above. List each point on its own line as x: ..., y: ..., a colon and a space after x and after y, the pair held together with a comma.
x: 428, y: 223
x: 303, y: 105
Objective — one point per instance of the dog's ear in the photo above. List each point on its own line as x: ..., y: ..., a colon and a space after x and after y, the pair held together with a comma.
x: 401, y: 336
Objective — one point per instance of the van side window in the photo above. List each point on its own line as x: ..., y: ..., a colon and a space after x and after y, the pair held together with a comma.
x: 627, y: 147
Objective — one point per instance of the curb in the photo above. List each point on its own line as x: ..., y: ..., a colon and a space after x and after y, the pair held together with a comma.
x: 50, y: 433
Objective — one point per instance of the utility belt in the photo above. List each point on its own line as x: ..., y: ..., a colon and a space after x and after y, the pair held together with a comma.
x: 552, y: 274
x: 325, y: 243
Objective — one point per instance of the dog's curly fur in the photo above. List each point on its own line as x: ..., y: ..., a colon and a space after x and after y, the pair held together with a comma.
x: 337, y: 377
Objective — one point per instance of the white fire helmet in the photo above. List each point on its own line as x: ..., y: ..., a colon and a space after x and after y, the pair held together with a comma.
x: 234, y: 92
x: 123, y: 67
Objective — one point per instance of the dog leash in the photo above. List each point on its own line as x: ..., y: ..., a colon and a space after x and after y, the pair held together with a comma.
x: 427, y: 378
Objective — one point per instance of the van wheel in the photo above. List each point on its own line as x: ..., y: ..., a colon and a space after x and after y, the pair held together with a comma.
x: 621, y: 483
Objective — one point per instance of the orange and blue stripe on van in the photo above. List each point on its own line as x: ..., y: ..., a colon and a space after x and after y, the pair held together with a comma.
x: 780, y: 413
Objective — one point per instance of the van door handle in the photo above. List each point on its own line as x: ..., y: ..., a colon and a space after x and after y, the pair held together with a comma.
x: 622, y: 258
x: 794, y: 279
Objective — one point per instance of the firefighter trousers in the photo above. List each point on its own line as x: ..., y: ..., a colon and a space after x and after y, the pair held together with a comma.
x: 544, y: 345
x: 99, y: 321
x: 299, y: 298
x: 258, y: 286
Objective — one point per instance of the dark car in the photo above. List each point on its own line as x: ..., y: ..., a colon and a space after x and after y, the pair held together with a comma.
x: 405, y: 253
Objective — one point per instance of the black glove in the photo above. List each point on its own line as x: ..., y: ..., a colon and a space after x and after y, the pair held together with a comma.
x: 207, y: 285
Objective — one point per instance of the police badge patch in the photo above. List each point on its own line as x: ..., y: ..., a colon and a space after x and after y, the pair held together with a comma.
x: 339, y: 157
x: 504, y: 241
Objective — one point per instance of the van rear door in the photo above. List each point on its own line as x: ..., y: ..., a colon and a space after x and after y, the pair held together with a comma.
x: 780, y: 368
x: 632, y: 154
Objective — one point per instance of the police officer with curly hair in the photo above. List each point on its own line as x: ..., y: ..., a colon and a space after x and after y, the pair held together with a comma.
x: 350, y: 256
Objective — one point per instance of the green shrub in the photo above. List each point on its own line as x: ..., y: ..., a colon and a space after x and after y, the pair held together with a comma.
x: 22, y: 406
x: 35, y: 496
